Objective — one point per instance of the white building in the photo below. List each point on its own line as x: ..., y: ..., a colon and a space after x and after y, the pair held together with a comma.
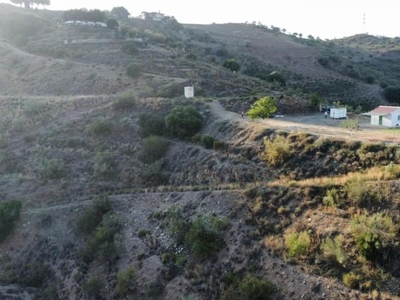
x: 189, y: 91
x: 388, y: 116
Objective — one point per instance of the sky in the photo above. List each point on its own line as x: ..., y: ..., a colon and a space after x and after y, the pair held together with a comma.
x: 319, y: 18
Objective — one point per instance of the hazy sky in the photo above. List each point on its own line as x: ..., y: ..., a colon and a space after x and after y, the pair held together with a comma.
x: 326, y: 19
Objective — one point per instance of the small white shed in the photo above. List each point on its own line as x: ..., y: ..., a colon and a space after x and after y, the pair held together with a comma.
x: 388, y: 116
x: 338, y: 113
x: 189, y: 91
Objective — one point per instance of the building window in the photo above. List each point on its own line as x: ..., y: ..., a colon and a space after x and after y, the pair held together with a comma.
x: 398, y: 118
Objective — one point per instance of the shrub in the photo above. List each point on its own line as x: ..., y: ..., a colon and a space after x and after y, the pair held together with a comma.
x: 333, y: 248
x: 153, y: 149
x: 124, y: 101
x: 99, y: 127
x: 105, y: 166
x: 129, y: 48
x: 153, y: 175
x: 126, y: 282
x: 373, y: 233
x: 255, y: 288
x: 218, y: 145
x: 9, y: 214
x: 52, y: 168
x: 143, y: 232
x: 297, y: 243
x: 332, y: 197
x: 94, y: 287
x: 183, y: 121
x: 276, y: 77
x: 177, y: 226
x: 392, y: 94
x: 207, y: 141
x: 205, y: 235
x: 112, y: 24
x: 276, y: 151
x: 103, y: 244
x: 352, y: 280
x: 151, y: 124
x: 231, y: 64
x: 91, y: 217
x: 133, y: 71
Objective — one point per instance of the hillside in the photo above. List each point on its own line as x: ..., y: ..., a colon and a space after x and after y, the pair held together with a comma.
x: 114, y: 186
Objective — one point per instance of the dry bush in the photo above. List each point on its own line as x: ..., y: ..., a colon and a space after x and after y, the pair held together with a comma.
x: 276, y: 151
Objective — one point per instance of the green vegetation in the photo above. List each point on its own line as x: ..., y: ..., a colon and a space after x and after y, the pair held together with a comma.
x: 153, y: 174
x: 297, y: 243
x: 333, y: 249
x: 152, y: 124
x: 99, y: 127
x: 373, y: 233
x: 276, y: 151
x: 352, y: 280
x: 276, y: 77
x: 124, y: 101
x: 90, y: 218
x: 183, y: 121
x: 392, y: 94
x: 177, y: 225
x: 52, y: 168
x: 105, y: 166
x: 153, y: 149
x: 205, y: 236
x: 263, y: 108
x: 120, y: 12
x: 9, y: 215
x: 255, y: 288
x: 94, y: 287
x: 350, y: 124
x: 113, y: 24
x: 231, y: 64
x: 315, y: 99
x: 133, y: 70
x: 94, y: 15
x: 207, y: 141
x: 126, y: 282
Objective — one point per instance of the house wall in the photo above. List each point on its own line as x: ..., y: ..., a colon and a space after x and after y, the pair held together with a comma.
x: 374, y: 120
x: 387, y: 121
x: 395, y: 119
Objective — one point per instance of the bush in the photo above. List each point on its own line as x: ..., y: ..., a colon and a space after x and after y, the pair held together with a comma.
x: 52, y: 168
x: 218, y: 145
x: 9, y: 214
x: 276, y: 151
x: 112, y: 24
x: 103, y: 244
x: 151, y: 124
x: 205, y: 235
x: 392, y: 94
x: 91, y: 217
x: 276, y: 77
x: 207, y: 141
x: 332, y: 197
x: 352, y: 280
x: 297, y: 243
x: 183, y: 121
x: 255, y: 288
x: 129, y: 48
x: 124, y: 101
x: 231, y: 64
x: 177, y: 226
x: 126, y: 282
x: 153, y: 175
x: 133, y: 71
x: 333, y: 248
x: 153, y: 149
x: 105, y: 166
x: 94, y: 287
x: 372, y: 233
x: 99, y: 127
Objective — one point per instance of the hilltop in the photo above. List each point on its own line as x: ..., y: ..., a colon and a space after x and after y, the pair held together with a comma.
x: 115, y: 186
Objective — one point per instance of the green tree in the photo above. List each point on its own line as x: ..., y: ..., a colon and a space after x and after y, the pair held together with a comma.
x: 112, y: 24
x: 120, y: 12
x: 263, y: 108
x: 9, y: 214
x: 231, y: 64
x: 315, y: 99
x: 183, y: 121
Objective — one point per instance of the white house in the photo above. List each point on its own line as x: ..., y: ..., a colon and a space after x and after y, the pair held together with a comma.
x: 152, y: 16
x: 388, y: 116
x: 189, y: 91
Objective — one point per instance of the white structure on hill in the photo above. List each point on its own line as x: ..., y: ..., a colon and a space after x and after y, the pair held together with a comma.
x: 152, y: 16
x: 189, y: 91
x: 388, y: 116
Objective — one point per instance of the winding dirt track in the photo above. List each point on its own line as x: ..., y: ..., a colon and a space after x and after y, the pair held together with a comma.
x: 314, y: 124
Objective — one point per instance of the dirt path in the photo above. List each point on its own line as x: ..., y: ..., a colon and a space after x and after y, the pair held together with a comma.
x: 314, y: 124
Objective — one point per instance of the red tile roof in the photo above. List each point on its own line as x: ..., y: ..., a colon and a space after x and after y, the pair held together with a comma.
x: 384, y: 110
